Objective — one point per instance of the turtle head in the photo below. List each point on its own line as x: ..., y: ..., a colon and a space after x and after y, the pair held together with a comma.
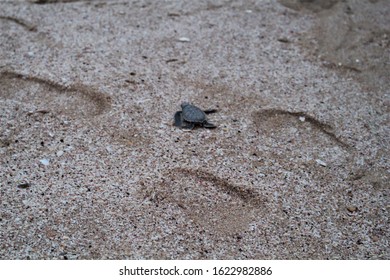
x: 185, y: 103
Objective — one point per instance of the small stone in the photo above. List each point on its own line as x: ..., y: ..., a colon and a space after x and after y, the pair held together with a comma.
x: 45, y: 161
x: 352, y: 209
x: 375, y: 238
x: 302, y: 119
x: 320, y: 162
x: 59, y: 153
x: 23, y: 185
x: 173, y: 14
x: 283, y: 40
x: 171, y: 60
x: 184, y: 39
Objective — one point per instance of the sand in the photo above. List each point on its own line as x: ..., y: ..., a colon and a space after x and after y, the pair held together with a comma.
x: 93, y: 168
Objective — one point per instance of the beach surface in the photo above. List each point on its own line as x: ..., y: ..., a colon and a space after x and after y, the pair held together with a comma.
x: 92, y: 166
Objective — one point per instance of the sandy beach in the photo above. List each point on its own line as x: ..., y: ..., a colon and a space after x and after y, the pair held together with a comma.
x: 92, y: 167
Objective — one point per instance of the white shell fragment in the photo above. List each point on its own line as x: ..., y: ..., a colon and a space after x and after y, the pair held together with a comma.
x: 320, y: 162
x: 45, y: 161
x: 184, y: 39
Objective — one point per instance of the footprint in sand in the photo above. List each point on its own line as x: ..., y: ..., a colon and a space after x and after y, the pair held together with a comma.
x: 28, y: 26
x: 298, y: 134
x: 33, y: 110
x: 212, y: 203
x: 76, y: 101
x: 39, y: 97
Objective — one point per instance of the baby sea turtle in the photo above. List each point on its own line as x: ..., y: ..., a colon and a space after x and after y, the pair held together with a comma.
x: 191, y: 116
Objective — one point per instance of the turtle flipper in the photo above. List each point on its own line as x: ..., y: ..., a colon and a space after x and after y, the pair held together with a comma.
x: 178, y: 119
x: 206, y: 124
x: 180, y: 122
x: 188, y: 125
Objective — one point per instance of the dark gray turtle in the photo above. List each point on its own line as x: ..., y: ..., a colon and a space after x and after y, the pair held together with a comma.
x: 191, y: 116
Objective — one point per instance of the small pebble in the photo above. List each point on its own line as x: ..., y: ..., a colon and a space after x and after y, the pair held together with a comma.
x: 173, y: 14
x: 25, y: 202
x: 45, y: 161
x: 283, y: 40
x: 320, y: 162
x: 352, y: 209
x: 375, y: 238
x: 184, y: 39
x: 59, y: 153
x: 23, y: 186
x: 69, y: 148
x: 302, y: 119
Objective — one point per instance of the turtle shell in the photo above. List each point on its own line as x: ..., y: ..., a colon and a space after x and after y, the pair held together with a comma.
x: 192, y: 113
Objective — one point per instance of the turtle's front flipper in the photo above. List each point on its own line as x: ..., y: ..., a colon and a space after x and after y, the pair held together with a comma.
x: 188, y: 125
x: 180, y: 122
x: 209, y: 125
x: 178, y: 119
